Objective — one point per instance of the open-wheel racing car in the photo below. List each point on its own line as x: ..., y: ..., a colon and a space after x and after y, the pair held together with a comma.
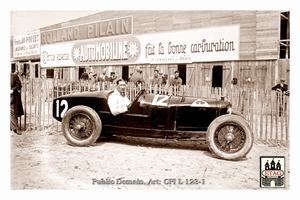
x: 86, y: 116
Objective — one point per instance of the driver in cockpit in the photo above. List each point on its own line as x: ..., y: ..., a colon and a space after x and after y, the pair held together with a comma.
x: 118, y: 102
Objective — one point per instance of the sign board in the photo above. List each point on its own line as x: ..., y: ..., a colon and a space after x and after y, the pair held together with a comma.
x: 196, y: 45
x: 106, y: 28
x: 26, y: 44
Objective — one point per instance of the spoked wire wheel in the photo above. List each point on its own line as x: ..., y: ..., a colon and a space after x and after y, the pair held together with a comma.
x: 229, y: 137
x: 81, y: 126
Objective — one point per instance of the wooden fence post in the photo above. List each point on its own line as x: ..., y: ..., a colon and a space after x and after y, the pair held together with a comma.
x: 287, y: 122
x: 272, y: 116
x: 29, y: 91
x: 276, y: 118
x: 25, y: 100
x: 282, y: 98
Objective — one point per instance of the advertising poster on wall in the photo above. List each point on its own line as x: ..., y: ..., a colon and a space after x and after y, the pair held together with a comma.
x: 27, y: 44
x: 196, y: 45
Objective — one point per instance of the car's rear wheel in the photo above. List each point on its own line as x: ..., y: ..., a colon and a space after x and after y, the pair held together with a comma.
x: 81, y: 126
x: 229, y: 137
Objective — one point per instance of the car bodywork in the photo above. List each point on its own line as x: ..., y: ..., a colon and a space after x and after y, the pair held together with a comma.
x: 86, y: 115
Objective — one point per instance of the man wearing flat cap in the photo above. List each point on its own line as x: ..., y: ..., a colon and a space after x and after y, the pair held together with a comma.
x: 282, y: 89
x: 281, y: 86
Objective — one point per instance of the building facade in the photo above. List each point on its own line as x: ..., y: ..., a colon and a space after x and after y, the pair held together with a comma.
x: 25, y: 54
x: 209, y: 48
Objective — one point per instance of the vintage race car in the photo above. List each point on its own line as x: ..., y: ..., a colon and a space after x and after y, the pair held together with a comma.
x: 86, y: 116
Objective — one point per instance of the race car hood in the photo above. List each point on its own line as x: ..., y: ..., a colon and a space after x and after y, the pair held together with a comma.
x: 158, y: 99
x: 88, y: 94
x: 168, y: 101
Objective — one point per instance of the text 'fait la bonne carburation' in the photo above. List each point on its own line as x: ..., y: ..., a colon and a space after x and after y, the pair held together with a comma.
x: 118, y: 50
x: 202, y: 47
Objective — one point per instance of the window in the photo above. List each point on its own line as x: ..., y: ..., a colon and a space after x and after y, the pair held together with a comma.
x: 25, y: 69
x: 80, y: 72
x: 125, y: 71
x: 284, y: 35
x: 36, y: 70
x: 49, y: 73
x: 182, y: 73
x: 217, y: 76
x: 13, y: 67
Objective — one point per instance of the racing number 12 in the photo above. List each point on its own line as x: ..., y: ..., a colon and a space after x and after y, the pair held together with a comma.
x: 63, y: 103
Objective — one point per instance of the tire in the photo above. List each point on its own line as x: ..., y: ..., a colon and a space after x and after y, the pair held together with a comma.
x: 229, y: 137
x: 239, y: 114
x: 81, y: 126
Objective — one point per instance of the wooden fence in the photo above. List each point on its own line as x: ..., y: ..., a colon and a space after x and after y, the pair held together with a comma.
x: 266, y: 111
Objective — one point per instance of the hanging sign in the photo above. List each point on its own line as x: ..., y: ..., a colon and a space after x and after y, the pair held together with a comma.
x: 26, y: 44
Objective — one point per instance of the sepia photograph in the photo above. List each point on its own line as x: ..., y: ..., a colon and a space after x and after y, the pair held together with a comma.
x: 145, y: 99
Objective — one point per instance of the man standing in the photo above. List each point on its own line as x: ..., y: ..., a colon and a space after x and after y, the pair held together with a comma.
x: 137, y: 77
x: 157, y: 79
x: 112, y: 77
x: 96, y: 79
x: 282, y: 89
x: 176, y: 82
x: 118, y: 103
x: 84, y: 76
x: 104, y: 77
x: 164, y: 79
x: 16, y: 107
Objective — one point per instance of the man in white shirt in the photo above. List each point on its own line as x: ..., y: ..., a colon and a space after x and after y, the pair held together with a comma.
x: 117, y: 101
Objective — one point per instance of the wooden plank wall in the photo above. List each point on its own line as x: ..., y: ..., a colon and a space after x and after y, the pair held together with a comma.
x: 254, y: 74
x: 249, y: 74
x: 259, y: 33
x: 163, y: 21
x: 284, y: 70
x: 259, y: 30
x: 201, y: 19
x: 227, y: 75
x: 247, y: 22
x: 267, y: 34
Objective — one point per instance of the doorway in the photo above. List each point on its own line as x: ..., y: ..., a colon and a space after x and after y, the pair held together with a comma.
x: 81, y: 69
x: 182, y: 73
x: 26, y: 70
x: 36, y: 71
x: 13, y: 67
x: 125, y: 71
x: 217, y: 76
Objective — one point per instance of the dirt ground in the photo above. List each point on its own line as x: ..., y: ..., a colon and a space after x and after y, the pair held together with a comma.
x: 42, y: 160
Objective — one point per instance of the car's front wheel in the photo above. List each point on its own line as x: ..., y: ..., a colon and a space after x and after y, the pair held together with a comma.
x: 229, y: 137
x: 81, y: 126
